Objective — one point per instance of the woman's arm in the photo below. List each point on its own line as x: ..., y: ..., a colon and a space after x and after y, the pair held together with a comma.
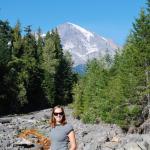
x: 72, y: 140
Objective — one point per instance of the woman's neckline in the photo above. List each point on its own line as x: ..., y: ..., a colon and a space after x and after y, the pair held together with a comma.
x: 58, y: 124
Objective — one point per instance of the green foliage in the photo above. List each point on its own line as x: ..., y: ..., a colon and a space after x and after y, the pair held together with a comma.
x: 89, y: 117
x: 17, y: 48
x: 7, y: 93
x: 118, y: 91
x: 67, y: 79
x: 34, y: 72
x: 5, y: 42
x: 58, y: 75
x: 49, y: 65
x: 78, y: 103
x: 40, y: 45
x: 88, y: 93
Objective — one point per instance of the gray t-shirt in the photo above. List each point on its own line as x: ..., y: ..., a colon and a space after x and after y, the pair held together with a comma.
x: 59, y: 137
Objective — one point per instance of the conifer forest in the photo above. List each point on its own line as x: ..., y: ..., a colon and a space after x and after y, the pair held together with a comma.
x: 35, y: 74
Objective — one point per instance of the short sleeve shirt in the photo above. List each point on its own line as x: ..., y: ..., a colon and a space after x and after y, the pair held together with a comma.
x: 59, y: 137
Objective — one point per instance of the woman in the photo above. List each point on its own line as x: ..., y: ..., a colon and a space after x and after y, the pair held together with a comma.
x: 61, y: 133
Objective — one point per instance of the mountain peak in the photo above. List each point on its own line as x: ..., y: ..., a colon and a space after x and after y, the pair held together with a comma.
x: 84, y: 44
x: 85, y: 32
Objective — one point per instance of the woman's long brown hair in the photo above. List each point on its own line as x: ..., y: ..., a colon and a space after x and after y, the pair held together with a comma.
x: 53, y: 120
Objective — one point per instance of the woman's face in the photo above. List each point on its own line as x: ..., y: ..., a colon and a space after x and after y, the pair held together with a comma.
x: 58, y: 115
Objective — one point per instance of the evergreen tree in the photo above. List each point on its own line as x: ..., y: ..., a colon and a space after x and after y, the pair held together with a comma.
x: 40, y: 45
x: 91, y: 98
x: 64, y: 76
x: 78, y: 103
x: 58, y: 71
x: 32, y: 73
x: 5, y: 42
x: 139, y: 45
x: 16, y: 66
x: 17, y: 45
x: 5, y: 56
x: 59, y: 74
x: 49, y: 65
x: 121, y: 91
x: 68, y: 78
x: 30, y: 47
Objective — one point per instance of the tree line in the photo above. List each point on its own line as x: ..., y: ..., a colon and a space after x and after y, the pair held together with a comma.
x: 34, y: 71
x: 117, y: 90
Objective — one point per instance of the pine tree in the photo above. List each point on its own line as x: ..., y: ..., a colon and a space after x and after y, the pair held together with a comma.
x: 49, y: 65
x: 17, y: 65
x: 78, y: 103
x: 31, y: 71
x: 5, y: 42
x: 133, y: 71
x: 68, y: 78
x: 121, y: 90
x: 17, y: 49
x: 30, y: 47
x: 40, y: 45
x: 139, y: 45
x: 64, y: 76
x: 5, y: 56
x: 60, y: 70
x: 89, y: 94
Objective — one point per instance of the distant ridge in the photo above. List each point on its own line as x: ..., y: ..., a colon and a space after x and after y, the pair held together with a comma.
x: 80, y: 69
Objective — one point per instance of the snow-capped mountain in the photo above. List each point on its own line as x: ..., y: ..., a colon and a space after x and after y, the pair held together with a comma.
x: 83, y: 44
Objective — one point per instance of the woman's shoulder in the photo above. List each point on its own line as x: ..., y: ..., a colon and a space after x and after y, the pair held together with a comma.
x: 69, y: 127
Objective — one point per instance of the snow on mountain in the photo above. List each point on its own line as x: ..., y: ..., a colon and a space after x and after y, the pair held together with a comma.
x: 83, y: 44
x: 86, y: 33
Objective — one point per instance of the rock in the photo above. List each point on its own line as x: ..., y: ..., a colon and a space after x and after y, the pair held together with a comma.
x: 89, y: 136
x: 143, y: 145
x: 5, y: 120
x: 146, y: 126
x: 84, y: 133
x: 47, y: 116
x: 115, y: 139
x: 146, y: 138
x: 132, y: 146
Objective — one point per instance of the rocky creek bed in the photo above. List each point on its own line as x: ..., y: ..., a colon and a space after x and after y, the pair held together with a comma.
x: 89, y: 137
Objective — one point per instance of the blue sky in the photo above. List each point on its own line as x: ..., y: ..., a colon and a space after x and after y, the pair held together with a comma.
x: 109, y: 18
